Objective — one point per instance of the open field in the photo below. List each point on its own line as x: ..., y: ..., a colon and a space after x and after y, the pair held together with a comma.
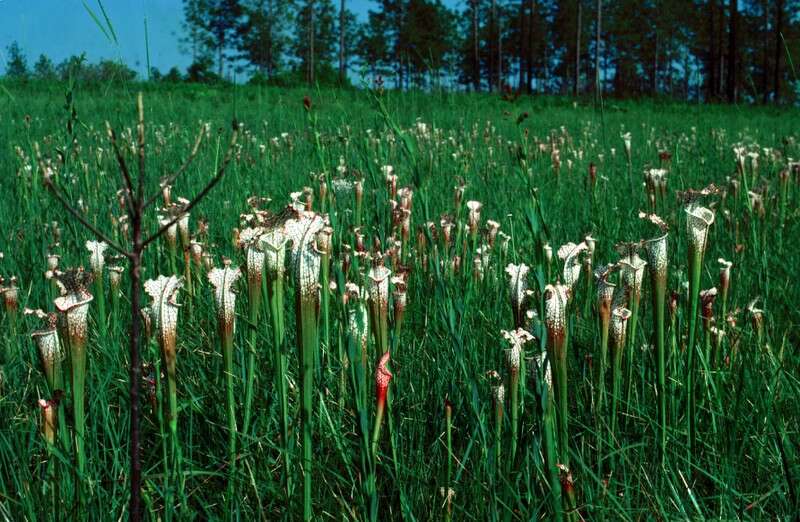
x: 711, y: 432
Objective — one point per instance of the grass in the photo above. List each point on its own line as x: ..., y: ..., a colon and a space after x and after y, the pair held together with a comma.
x: 738, y: 459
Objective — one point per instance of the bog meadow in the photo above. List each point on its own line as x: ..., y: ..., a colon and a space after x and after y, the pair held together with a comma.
x: 473, y: 314
x: 229, y: 301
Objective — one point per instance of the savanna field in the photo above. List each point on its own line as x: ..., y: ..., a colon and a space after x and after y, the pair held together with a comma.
x: 398, y: 306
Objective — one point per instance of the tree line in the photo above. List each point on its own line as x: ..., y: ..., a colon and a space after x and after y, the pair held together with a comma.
x: 76, y: 67
x: 733, y: 50
x: 712, y: 49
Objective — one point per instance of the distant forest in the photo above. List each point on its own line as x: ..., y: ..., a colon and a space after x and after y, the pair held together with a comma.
x: 714, y: 50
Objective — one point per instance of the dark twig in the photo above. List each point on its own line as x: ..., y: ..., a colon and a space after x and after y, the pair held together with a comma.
x: 216, y: 179
x: 48, y: 183
x: 140, y: 127
x: 123, y: 169
x: 134, y: 371
x: 171, y: 178
x: 134, y: 347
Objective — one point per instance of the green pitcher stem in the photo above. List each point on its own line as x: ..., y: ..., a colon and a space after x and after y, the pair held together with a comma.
x: 100, y: 299
x: 114, y: 309
x: 173, y: 265
x: 308, y: 339
x: 254, y: 311
x: 77, y: 349
x: 673, y: 351
x: 617, y: 380
x: 59, y: 384
x: 376, y: 430
x: 165, y: 443
x: 551, y: 459
x: 602, y: 368
x: 498, y: 433
x: 227, y: 356
x: 514, y: 388
x: 177, y: 456
x: 659, y: 298
x: 325, y: 305
x: 562, y: 405
x: 563, y: 410
x: 695, y: 263
x: 631, y: 345
x: 78, y: 356
x: 275, y: 296
x: 380, y: 327
x: 449, y: 430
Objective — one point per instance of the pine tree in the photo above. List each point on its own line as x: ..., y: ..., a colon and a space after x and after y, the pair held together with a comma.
x: 196, y: 40
x: 222, y: 21
x: 44, y: 69
x: 263, y: 40
x: 315, y: 43
x: 17, y: 64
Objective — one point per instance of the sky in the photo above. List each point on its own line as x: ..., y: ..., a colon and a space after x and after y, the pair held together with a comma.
x: 61, y: 28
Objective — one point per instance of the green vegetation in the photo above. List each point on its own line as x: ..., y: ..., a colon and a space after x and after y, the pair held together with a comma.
x: 462, y: 422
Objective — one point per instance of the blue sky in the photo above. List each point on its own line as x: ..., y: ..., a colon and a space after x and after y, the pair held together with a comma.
x: 61, y: 28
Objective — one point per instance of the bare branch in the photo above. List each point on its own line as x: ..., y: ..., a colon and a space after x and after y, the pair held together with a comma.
x: 123, y: 168
x: 48, y: 183
x: 171, y: 178
x: 216, y: 179
x: 140, y: 188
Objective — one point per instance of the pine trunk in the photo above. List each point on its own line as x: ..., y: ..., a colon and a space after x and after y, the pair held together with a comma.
x: 776, y: 79
x: 765, y: 53
x: 711, y: 71
x: 341, y: 42
x: 311, y: 31
x: 476, y: 62
x: 492, y: 46
x: 598, y: 87
x: 654, y: 79
x: 523, y: 46
x: 576, y: 82
x: 499, y: 55
x: 531, y: 36
x: 733, y: 68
